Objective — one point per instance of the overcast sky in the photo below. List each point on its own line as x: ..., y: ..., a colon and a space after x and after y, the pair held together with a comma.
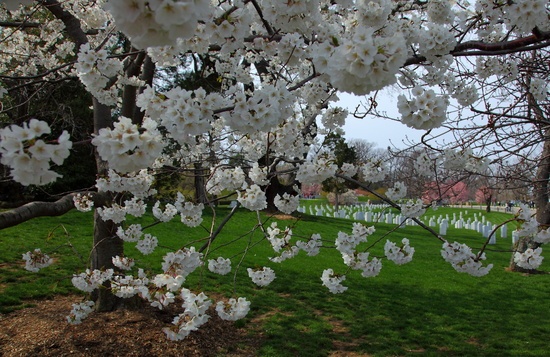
x: 380, y: 131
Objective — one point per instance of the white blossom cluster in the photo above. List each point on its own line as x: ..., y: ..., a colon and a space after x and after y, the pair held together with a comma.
x: 346, y: 243
x: 539, y: 89
x: 334, y: 118
x: 128, y: 147
x: 440, y: 12
x: 524, y: 15
x: 166, y: 215
x: 261, y: 277
x: 253, y: 198
x: 413, y: 208
x: 365, y: 62
x: 425, y: 111
x: 464, y: 159
x: 397, y: 192
x: 542, y: 236
x: 117, y: 213
x: 290, y: 17
x: 138, y: 183
x: 489, y: 66
x: 182, y: 262
x: 90, y: 280
x: 190, y: 213
x: 465, y: 95
x: 157, y: 23
x: 36, y: 260
x: 124, y: 263
x: 192, y: 317
x: 95, y: 70
x: 233, y: 309
x: 530, y: 259
x: 374, y: 171
x: 79, y: 312
x: 186, y: 114
x: 220, y: 266
x: 170, y: 283
x: 263, y: 111
x: 316, y: 171
x: 132, y: 234
x: 424, y: 165
x: 145, y: 243
x: 83, y: 203
x: 258, y: 175
x: 287, y: 203
x: 280, y: 241
x: 28, y: 156
x: 360, y: 261
x: 528, y: 228
x: 348, y: 169
x: 126, y: 286
x: 333, y: 282
x: 436, y: 41
x: 226, y: 178
x: 463, y: 260
x: 399, y: 255
x: 312, y: 246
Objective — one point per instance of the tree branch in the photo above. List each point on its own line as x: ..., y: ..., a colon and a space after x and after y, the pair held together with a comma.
x: 537, y: 40
x: 44, y: 209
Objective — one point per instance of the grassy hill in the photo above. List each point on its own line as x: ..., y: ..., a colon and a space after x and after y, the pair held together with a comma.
x: 424, y: 307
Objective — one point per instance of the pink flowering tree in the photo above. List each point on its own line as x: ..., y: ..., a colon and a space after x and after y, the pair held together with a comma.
x: 448, y: 192
x: 279, y: 67
x: 311, y: 190
x: 484, y: 195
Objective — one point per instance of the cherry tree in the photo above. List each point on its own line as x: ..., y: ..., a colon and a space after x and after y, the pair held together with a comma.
x: 279, y: 67
x: 448, y: 192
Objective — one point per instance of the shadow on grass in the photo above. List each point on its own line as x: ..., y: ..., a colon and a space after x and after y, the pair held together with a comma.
x: 385, y: 319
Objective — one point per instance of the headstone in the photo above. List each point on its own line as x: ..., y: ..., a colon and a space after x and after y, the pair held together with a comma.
x: 515, y: 237
x: 443, y: 227
x: 459, y: 224
x: 503, y: 231
x: 359, y: 215
x: 368, y: 217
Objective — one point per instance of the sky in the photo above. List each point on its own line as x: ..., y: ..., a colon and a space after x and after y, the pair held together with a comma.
x: 383, y: 132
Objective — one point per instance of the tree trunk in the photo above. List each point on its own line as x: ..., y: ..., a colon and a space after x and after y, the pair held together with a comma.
x: 541, y: 203
x: 200, y: 184
x: 106, y: 245
x: 488, y: 201
x: 276, y: 188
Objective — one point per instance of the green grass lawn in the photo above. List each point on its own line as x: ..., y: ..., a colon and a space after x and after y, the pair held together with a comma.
x: 422, y: 308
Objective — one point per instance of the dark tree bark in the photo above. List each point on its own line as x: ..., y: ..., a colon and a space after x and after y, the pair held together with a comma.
x: 200, y: 183
x: 541, y: 195
x: 275, y: 188
x: 106, y: 245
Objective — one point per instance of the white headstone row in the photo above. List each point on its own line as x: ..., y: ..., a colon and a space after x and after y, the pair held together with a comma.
x: 373, y: 213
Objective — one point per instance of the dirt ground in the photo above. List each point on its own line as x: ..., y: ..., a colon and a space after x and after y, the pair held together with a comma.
x: 43, y: 331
